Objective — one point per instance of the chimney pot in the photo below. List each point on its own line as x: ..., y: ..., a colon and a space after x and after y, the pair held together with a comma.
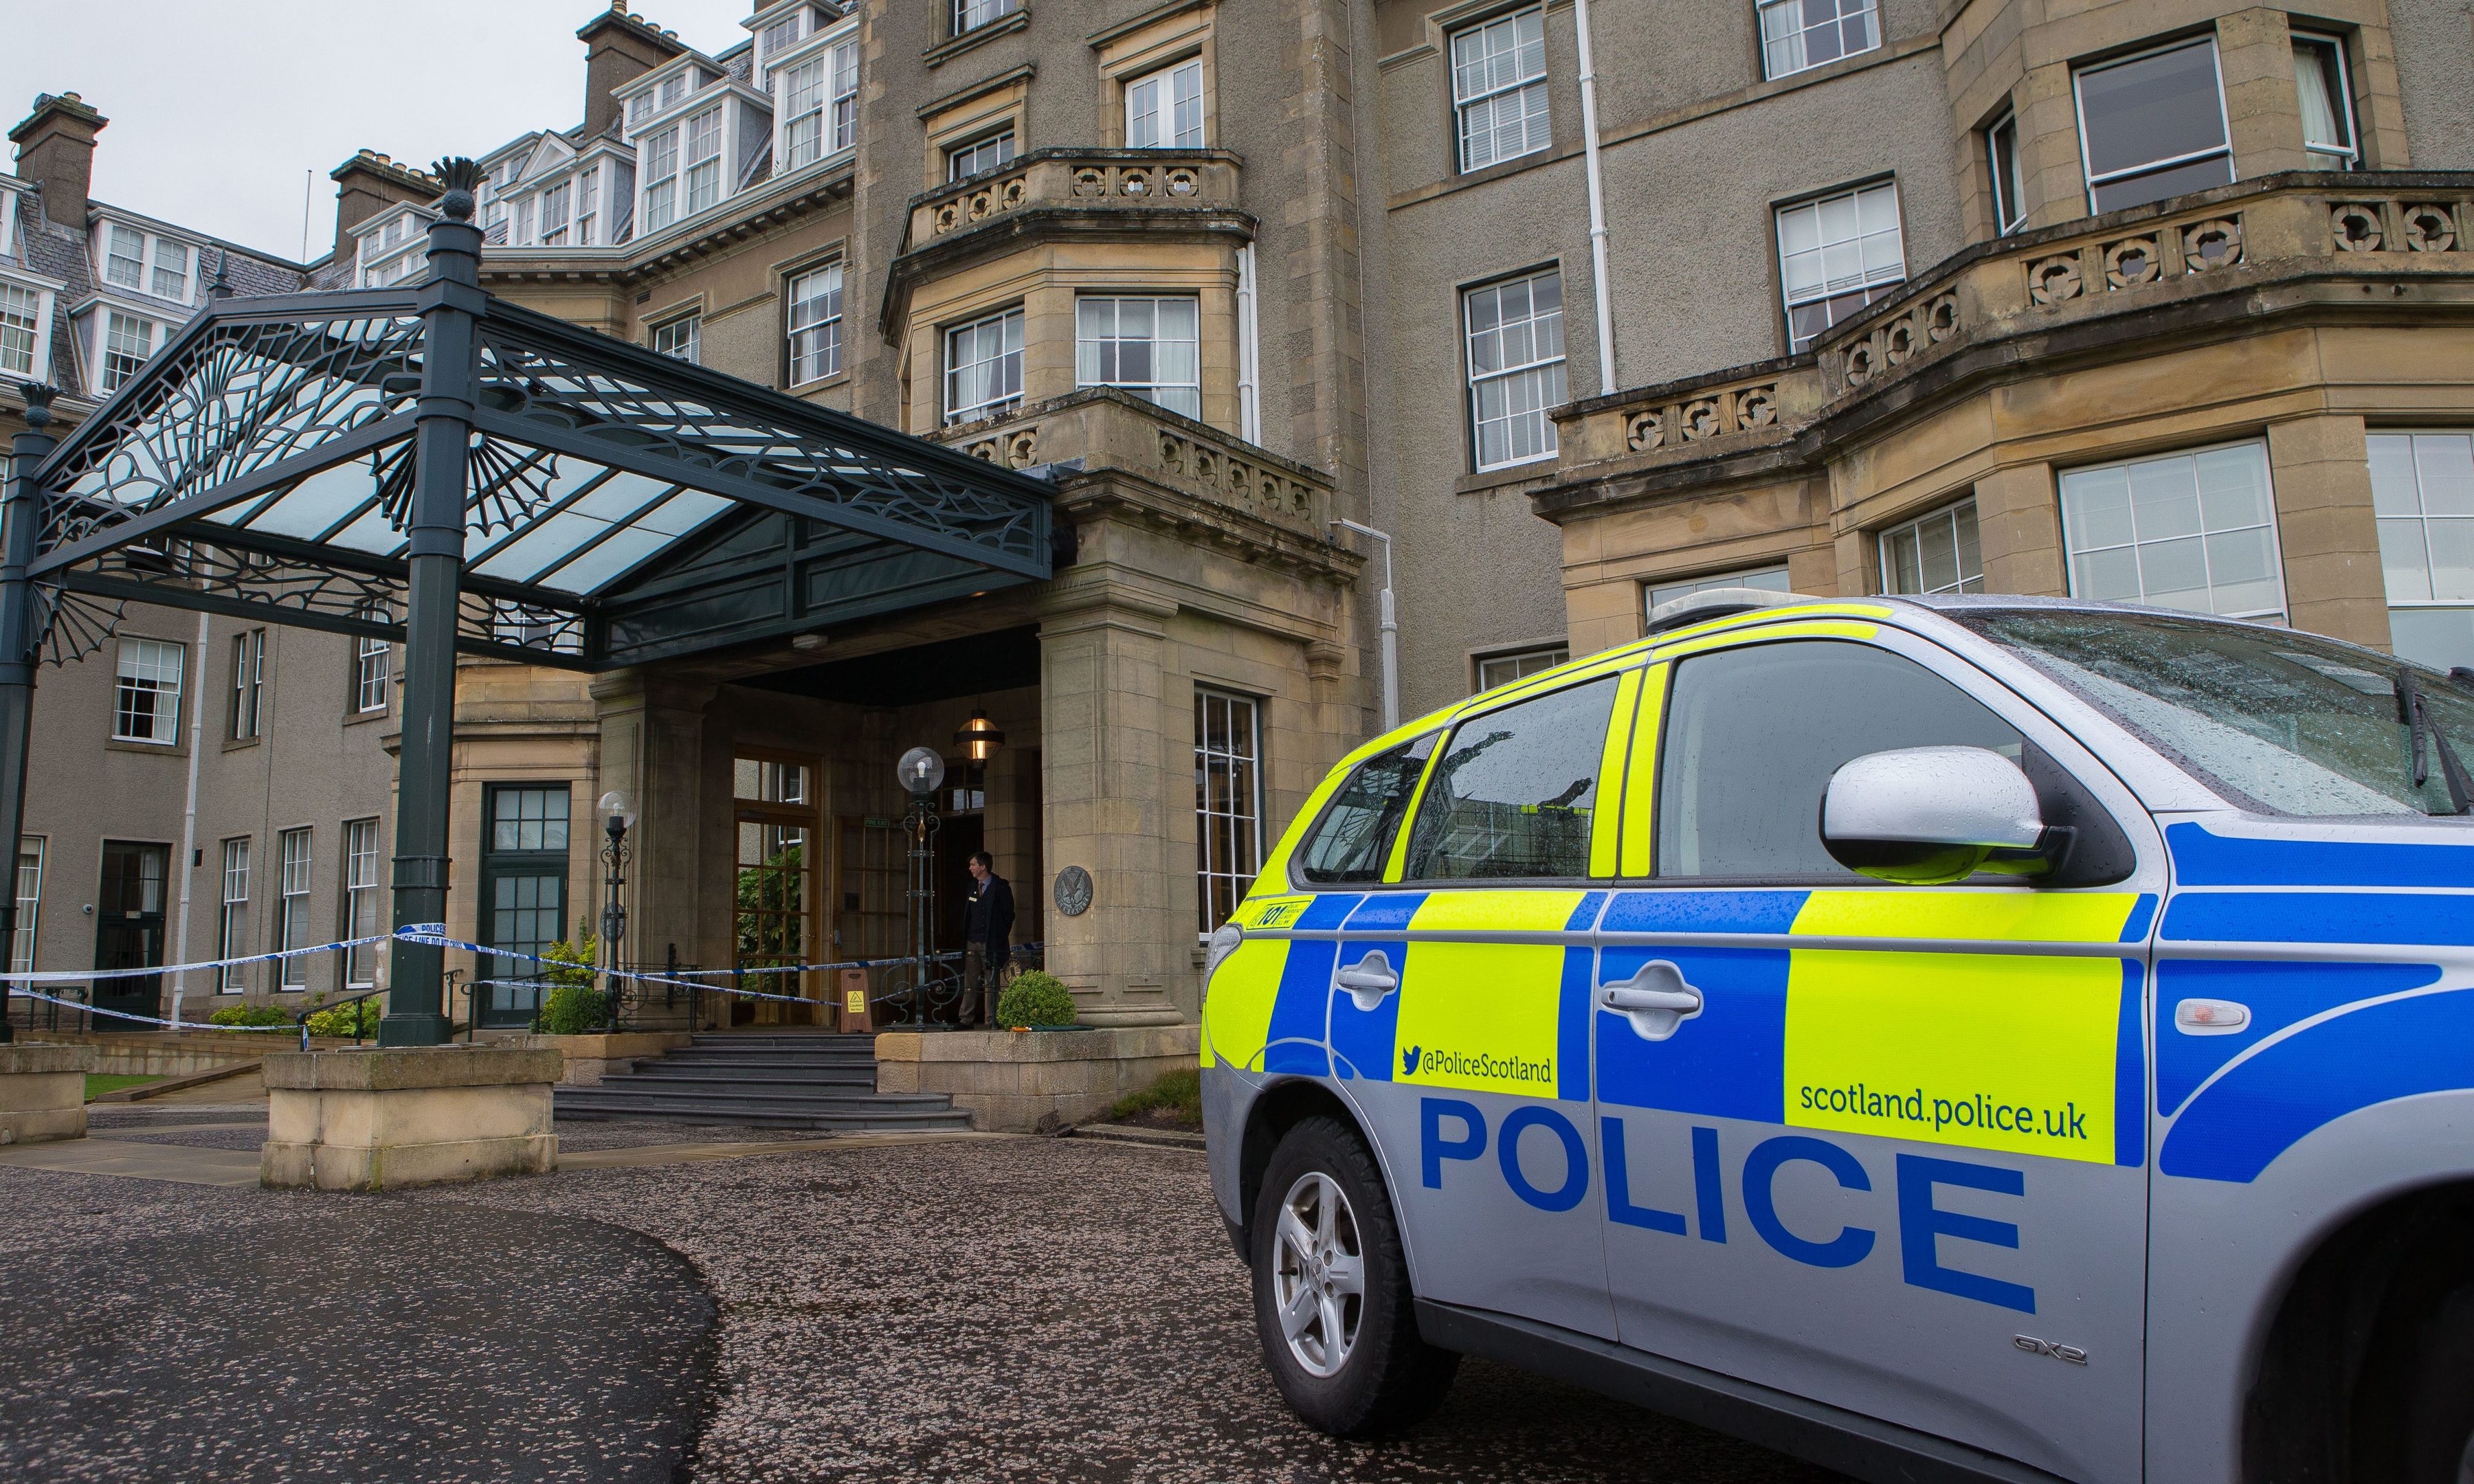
x: 56, y: 151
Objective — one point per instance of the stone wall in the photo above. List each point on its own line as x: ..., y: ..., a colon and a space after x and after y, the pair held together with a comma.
x: 1027, y: 1081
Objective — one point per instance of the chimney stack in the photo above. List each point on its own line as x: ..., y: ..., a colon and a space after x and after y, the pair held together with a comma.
x: 366, y: 185
x: 56, y: 151
x: 619, y: 48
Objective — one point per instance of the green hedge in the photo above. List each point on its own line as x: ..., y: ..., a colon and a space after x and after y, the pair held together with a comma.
x: 573, y: 1006
x: 1038, y: 997
x: 257, y: 1017
x: 338, y: 1021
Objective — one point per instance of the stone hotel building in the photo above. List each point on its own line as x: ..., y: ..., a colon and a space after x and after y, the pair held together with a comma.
x: 1583, y: 304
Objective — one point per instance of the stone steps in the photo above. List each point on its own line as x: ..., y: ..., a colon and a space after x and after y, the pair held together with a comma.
x: 813, y: 1080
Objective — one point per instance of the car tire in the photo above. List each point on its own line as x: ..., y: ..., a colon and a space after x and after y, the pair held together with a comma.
x: 2414, y: 1416
x: 1332, y: 1302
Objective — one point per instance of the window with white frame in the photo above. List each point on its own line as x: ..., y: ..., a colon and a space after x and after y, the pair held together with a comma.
x: 2188, y: 530
x: 1499, y: 89
x: 292, y: 907
x: 147, y: 262
x: 2009, y: 189
x: 988, y: 153
x: 802, y: 93
x: 983, y: 367
x: 1514, y: 333
x: 1147, y: 346
x: 231, y: 922
x: 704, y: 160
x: 1228, y: 802
x: 522, y: 231
x: 370, y: 653
x: 556, y: 203
x: 588, y: 207
x: 780, y: 36
x: 1503, y: 669
x: 146, y: 695
x: 248, y: 684
x: 677, y: 338
x: 2327, y: 96
x: 1769, y: 579
x: 128, y: 339
x: 361, y: 902
x: 662, y: 179
x: 815, y: 323
x: 1836, y: 254
x: 8, y: 223
x: 1164, y: 108
x: 842, y: 99
x: 2153, y: 125
x: 1937, y: 553
x: 21, y: 326
x: 29, y: 901
x: 972, y: 14
x: 1801, y: 34
x: 2422, y: 490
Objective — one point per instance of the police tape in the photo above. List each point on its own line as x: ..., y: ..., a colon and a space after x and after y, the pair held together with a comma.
x: 411, y: 932
x: 768, y: 971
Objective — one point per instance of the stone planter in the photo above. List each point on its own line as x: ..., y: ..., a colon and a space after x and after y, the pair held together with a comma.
x: 1020, y: 1082
x: 591, y: 1058
x: 384, y: 1118
x: 42, y: 1092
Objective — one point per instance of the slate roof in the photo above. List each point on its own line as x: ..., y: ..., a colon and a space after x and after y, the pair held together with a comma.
x: 59, y: 251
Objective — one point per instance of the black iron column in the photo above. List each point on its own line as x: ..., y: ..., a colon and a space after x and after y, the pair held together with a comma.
x: 452, y: 301
x: 21, y: 518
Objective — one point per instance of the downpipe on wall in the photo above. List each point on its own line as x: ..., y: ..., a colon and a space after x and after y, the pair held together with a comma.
x: 1597, y: 202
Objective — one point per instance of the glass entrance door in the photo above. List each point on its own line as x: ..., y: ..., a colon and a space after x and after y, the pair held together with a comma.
x: 774, y: 892
x: 523, y: 899
x: 129, y: 931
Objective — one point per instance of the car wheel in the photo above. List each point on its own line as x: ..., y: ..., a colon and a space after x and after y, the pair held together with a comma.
x: 1331, y: 1290
x: 2415, y: 1414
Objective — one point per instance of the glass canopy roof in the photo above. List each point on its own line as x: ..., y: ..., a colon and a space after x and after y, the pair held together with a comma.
x: 621, y: 506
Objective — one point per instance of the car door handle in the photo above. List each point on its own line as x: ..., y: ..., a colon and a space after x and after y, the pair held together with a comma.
x: 1368, y: 979
x: 1655, y: 999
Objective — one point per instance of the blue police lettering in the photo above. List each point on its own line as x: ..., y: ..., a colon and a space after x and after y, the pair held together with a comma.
x: 1851, y: 1246
x: 1576, y: 1159
x: 1432, y: 1150
x: 1922, y: 1223
x: 1619, y: 1207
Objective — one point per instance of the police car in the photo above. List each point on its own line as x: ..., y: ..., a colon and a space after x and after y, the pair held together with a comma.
x: 1946, y: 1038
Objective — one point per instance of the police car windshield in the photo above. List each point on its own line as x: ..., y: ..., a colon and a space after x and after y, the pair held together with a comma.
x: 2282, y: 721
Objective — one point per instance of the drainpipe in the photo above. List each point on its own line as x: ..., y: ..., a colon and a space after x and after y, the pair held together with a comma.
x: 1391, y: 628
x: 1597, y: 202
x: 1249, y: 352
x: 189, y: 821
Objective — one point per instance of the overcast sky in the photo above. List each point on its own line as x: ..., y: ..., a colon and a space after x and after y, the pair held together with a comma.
x: 218, y: 108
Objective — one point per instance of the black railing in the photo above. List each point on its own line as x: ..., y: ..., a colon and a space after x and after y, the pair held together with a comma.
x: 308, y: 1012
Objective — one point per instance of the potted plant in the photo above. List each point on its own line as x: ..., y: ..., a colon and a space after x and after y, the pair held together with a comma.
x: 1036, y: 1001
x: 572, y: 1006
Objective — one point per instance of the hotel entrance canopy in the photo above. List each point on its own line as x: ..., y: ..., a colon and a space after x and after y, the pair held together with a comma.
x: 619, y: 506
x: 430, y: 464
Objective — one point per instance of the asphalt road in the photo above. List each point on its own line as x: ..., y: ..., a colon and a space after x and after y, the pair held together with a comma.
x: 985, y: 1310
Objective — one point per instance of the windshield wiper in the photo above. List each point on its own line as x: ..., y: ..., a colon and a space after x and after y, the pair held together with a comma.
x: 2415, y: 713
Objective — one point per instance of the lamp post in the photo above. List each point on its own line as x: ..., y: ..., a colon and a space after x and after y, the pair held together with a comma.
x: 920, y: 772
x: 617, y: 810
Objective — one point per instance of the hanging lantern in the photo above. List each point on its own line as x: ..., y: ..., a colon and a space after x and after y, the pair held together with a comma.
x: 979, y: 738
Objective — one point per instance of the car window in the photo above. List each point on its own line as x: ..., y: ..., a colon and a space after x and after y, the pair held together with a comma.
x: 2275, y: 720
x: 1515, y: 791
x: 1753, y: 735
x: 1353, y: 838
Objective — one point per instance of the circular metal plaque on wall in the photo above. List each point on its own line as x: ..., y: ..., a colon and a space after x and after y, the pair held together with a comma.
x: 1073, y: 891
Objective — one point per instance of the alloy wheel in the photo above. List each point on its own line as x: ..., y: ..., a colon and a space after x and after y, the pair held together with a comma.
x: 1318, y: 1273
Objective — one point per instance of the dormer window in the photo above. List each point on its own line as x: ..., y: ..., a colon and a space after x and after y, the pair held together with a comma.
x: 780, y: 36
x: 661, y: 180
x: 128, y: 339
x: 819, y: 105
x: 704, y: 160
x: 21, y: 329
x: 640, y: 108
x: 588, y: 205
x: 673, y: 88
x: 147, y: 263
x: 554, y: 204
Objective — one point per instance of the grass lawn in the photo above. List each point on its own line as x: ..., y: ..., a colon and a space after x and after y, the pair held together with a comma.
x: 1173, y: 1102
x: 100, y: 1082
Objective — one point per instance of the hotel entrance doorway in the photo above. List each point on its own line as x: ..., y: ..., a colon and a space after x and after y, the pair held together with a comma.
x: 775, y: 891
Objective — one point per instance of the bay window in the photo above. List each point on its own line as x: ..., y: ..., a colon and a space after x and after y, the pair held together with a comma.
x: 983, y: 367
x: 2153, y: 125
x: 2327, y: 97
x: 1149, y: 346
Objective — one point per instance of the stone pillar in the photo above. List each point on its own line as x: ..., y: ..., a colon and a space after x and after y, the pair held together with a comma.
x: 377, y: 1118
x: 2262, y: 110
x: 652, y: 744
x: 42, y: 1092
x: 2018, y: 529
x: 2325, y: 529
x: 1112, y: 773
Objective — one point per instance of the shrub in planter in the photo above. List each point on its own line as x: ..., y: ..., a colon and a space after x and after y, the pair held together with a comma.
x: 338, y: 1021
x: 1038, y: 997
x: 255, y: 1017
x: 572, y: 1007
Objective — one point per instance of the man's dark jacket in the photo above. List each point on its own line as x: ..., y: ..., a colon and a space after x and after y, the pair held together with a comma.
x: 989, y: 918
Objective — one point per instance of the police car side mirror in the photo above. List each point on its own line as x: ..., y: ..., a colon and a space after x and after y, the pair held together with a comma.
x: 1925, y: 815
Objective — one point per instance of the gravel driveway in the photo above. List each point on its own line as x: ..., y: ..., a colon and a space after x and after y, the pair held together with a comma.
x: 983, y: 1310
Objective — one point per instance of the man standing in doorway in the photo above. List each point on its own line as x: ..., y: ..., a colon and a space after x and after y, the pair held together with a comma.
x: 987, y: 929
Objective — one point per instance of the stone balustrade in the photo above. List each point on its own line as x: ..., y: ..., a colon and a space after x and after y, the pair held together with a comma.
x: 2256, y: 235
x: 1078, y: 179
x: 1109, y: 429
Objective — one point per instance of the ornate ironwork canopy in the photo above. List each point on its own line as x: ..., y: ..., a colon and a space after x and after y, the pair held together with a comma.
x: 619, y: 506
